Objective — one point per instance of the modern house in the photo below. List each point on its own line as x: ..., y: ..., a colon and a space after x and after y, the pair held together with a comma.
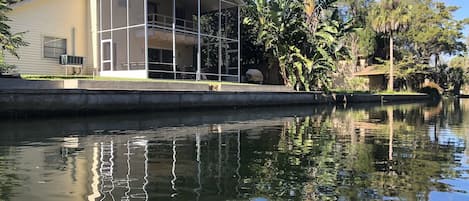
x: 168, y: 39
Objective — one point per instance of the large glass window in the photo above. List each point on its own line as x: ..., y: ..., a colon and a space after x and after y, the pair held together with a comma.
x: 186, y: 51
x: 209, y: 21
x: 229, y: 21
x: 119, y: 39
x: 123, y: 24
x: 105, y: 14
x: 54, y: 47
x: 172, y: 53
x: 136, y: 14
x: 119, y: 13
x: 186, y: 15
x: 229, y: 60
x: 209, y: 58
x: 137, y: 48
x: 160, y: 13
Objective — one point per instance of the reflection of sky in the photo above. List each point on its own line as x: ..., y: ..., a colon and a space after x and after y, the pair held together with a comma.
x: 460, y: 185
x: 445, y: 137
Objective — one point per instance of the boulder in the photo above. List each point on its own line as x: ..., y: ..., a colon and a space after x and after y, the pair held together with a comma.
x: 254, y: 76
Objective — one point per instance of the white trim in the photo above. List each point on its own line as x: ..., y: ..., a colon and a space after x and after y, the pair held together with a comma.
x: 239, y: 44
x: 143, y: 74
x: 220, y: 57
x: 199, y: 55
x: 122, y: 28
x: 145, y: 17
x: 174, y: 37
x: 190, y: 32
x: 128, y: 38
x: 43, y: 36
x: 102, y: 61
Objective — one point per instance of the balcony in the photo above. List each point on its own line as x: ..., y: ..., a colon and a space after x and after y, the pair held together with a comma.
x: 163, y: 21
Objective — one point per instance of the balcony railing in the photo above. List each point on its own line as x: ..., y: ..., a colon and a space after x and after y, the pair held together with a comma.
x: 167, y: 21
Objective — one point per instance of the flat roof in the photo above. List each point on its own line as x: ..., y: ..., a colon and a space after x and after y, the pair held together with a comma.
x: 373, y: 70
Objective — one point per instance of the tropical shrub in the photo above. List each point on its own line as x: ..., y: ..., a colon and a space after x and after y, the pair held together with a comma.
x: 432, y: 88
x: 6, y: 68
x: 301, y: 38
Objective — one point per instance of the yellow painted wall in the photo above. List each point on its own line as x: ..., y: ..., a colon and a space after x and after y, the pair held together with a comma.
x: 57, y: 18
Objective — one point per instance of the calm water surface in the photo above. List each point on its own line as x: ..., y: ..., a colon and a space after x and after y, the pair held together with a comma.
x: 401, y: 152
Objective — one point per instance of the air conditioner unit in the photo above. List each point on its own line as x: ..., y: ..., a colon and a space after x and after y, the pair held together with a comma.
x: 69, y: 60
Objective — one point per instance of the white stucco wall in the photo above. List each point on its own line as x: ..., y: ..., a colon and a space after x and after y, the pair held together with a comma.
x: 56, y: 18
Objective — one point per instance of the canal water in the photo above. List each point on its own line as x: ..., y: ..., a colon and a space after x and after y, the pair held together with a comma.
x: 360, y: 152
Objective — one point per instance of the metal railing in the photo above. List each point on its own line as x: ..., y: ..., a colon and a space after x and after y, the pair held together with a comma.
x: 167, y: 21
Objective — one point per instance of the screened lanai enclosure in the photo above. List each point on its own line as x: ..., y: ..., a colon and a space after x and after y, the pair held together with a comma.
x: 170, y: 39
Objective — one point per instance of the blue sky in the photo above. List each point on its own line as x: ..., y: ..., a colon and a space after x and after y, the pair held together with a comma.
x: 463, y: 11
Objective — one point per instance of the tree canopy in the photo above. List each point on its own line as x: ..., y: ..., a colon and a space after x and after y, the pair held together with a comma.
x: 9, y: 41
x: 305, y: 40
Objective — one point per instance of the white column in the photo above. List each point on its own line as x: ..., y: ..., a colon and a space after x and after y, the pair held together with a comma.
x: 146, y: 35
x: 128, y: 42
x: 112, y: 36
x: 220, y: 58
x: 199, y: 57
x: 239, y: 43
x: 174, y: 38
x: 100, y: 37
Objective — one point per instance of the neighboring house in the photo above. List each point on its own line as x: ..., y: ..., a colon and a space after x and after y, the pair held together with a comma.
x: 377, y: 75
x: 169, y: 39
x: 53, y: 27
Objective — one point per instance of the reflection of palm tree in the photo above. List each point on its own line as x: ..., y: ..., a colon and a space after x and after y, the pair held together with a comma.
x: 199, y: 181
x: 391, y: 132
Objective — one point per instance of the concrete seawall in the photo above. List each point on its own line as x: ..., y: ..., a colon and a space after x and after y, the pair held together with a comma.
x: 37, y: 102
x: 26, y: 97
x: 368, y: 98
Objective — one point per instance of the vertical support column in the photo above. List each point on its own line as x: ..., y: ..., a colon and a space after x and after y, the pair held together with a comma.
x: 100, y: 37
x: 220, y: 58
x: 239, y: 43
x: 128, y: 41
x: 112, y: 35
x: 145, y: 7
x: 199, y: 56
x: 73, y: 41
x: 174, y: 38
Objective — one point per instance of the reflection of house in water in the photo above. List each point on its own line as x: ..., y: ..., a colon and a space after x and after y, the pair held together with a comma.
x: 122, y: 171
x: 188, y: 163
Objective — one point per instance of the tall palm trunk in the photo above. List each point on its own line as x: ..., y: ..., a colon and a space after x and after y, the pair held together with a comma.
x: 391, y: 63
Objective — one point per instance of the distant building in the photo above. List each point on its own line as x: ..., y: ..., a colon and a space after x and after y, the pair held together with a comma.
x: 377, y: 75
x: 170, y: 39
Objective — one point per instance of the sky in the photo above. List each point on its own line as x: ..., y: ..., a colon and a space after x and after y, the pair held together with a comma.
x: 463, y: 11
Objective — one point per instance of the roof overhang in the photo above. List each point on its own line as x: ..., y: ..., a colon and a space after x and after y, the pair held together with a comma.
x: 239, y: 2
x: 375, y: 70
x: 20, y: 3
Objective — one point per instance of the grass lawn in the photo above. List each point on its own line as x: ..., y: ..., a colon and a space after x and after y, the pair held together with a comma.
x: 84, y: 77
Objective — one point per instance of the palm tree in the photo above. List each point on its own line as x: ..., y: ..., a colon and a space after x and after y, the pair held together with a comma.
x: 389, y: 17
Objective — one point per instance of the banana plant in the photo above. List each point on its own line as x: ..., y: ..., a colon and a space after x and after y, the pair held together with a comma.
x: 301, y: 37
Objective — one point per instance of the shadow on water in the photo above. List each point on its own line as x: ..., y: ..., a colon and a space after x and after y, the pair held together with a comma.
x: 347, y: 152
